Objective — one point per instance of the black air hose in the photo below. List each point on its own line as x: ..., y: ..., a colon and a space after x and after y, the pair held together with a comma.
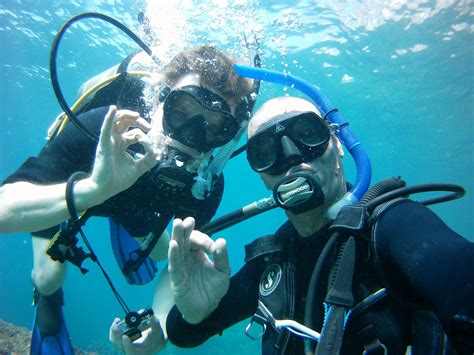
x: 382, y: 187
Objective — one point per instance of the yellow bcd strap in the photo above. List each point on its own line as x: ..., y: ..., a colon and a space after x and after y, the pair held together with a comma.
x: 61, y: 120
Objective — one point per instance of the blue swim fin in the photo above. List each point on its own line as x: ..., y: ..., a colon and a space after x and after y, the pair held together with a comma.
x: 50, y: 335
x: 123, y: 244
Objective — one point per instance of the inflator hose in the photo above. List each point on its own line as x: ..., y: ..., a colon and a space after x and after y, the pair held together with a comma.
x: 456, y: 192
x: 382, y: 187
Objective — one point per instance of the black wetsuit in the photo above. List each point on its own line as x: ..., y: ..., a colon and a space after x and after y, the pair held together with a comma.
x: 134, y: 208
x: 421, y: 262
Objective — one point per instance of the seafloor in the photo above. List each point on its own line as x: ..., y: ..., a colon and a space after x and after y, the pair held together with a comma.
x: 16, y: 340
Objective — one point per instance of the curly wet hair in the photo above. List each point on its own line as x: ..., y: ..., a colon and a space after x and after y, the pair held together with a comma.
x: 214, y: 67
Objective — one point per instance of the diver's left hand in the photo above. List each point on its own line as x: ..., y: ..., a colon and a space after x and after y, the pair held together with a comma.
x: 151, y: 341
x: 198, y: 282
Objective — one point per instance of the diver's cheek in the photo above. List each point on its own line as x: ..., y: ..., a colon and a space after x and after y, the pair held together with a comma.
x: 333, y: 182
x: 270, y: 180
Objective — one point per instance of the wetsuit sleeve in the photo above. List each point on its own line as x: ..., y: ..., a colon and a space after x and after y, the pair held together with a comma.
x: 239, y: 302
x: 67, y: 153
x: 425, y: 261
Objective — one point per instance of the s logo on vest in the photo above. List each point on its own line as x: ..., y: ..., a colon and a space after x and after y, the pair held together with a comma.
x: 270, y: 279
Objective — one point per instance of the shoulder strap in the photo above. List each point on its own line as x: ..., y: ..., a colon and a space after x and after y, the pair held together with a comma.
x: 125, y: 91
x: 276, y: 289
x: 264, y: 245
x: 124, y: 65
x: 339, y: 299
x: 271, y: 243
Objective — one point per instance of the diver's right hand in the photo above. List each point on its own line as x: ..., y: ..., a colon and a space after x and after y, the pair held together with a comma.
x: 29, y: 207
x: 197, y: 282
x: 115, y: 169
x: 152, y: 340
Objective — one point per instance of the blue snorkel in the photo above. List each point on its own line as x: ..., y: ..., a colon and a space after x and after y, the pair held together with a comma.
x: 344, y: 132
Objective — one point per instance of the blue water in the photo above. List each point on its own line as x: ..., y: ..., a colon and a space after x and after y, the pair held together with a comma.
x: 402, y: 74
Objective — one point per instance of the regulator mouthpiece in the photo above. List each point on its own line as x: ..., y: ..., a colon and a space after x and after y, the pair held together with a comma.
x: 299, y: 192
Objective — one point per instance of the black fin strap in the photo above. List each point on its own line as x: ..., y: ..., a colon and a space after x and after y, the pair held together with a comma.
x: 70, y: 203
x: 138, y: 256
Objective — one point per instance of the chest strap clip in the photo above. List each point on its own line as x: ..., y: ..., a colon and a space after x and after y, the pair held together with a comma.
x: 263, y: 316
x: 375, y: 348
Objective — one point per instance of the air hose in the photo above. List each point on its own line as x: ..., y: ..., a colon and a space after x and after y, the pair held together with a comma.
x: 53, y: 63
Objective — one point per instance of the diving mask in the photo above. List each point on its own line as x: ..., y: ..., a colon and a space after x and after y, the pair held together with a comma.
x: 198, y: 118
x: 293, y: 139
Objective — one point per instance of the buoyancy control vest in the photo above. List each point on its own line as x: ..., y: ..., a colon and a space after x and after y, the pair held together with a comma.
x: 277, y: 291
x: 378, y: 321
x: 277, y: 284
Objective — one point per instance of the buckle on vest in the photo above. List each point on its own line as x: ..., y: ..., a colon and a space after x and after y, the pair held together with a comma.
x: 375, y: 348
x: 260, y: 321
x: 263, y: 316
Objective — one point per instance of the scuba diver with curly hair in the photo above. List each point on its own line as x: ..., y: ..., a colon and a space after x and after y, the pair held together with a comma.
x: 148, y: 164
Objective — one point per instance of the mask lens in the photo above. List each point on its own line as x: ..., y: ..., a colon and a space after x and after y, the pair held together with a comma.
x: 262, y: 151
x: 219, y: 127
x: 310, y: 130
x: 193, y: 134
x: 179, y: 110
x: 183, y: 109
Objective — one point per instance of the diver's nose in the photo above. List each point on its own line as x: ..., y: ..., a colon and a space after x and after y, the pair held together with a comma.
x: 290, y: 150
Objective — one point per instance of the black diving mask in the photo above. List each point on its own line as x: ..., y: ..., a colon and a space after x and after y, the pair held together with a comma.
x: 293, y: 139
x: 198, y: 118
